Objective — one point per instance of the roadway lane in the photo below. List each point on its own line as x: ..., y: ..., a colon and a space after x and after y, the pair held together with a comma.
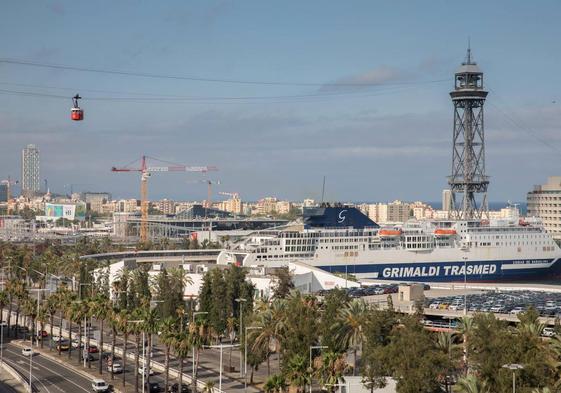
x: 48, y: 376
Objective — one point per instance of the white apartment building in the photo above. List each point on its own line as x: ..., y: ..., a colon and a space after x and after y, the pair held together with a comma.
x: 166, y: 206
x: 545, y: 202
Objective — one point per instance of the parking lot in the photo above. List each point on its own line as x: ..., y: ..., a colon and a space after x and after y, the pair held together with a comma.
x: 548, y: 304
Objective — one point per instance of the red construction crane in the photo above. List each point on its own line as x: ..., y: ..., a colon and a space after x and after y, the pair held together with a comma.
x: 9, y: 183
x: 145, y: 173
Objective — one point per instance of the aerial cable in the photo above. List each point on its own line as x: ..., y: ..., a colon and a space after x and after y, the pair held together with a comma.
x: 198, y: 79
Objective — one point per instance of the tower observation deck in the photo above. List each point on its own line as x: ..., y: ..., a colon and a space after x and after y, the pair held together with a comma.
x: 468, y: 181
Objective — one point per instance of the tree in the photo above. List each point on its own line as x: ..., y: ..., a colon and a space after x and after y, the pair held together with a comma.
x: 283, y: 283
x: 100, y: 309
x: 350, y: 325
x: 330, y: 368
x: 415, y: 362
x: 275, y: 384
x: 181, y: 347
x: 466, y: 326
x: 122, y: 323
x: 471, y: 384
x: 167, y: 337
x: 296, y: 372
x: 150, y: 327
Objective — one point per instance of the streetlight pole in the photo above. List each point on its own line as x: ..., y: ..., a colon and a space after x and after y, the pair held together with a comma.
x: 465, y: 285
x: 83, y: 349
x: 221, y: 346
x: 143, y: 355
x: 245, y: 354
x: 241, y: 301
x: 193, y: 368
x: 39, y: 290
x: 513, y: 367
x: 320, y: 347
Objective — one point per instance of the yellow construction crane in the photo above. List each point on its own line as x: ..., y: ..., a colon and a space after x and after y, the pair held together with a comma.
x: 145, y: 173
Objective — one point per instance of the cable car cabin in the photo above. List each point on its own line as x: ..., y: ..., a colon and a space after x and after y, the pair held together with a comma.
x: 77, y: 114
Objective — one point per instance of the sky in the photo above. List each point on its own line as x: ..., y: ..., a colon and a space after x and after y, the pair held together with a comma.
x: 277, y: 94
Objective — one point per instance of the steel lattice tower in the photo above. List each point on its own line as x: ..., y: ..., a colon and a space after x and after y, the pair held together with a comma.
x: 468, y: 151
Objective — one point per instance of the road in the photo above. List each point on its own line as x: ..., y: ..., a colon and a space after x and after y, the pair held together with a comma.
x: 47, y: 375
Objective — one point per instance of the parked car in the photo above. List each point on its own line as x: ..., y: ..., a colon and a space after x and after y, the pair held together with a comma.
x: 57, y: 338
x: 63, y: 346
x: 184, y: 388
x: 548, y: 332
x: 141, y: 371
x: 116, y: 366
x: 99, y: 385
x: 92, y: 349
x: 154, y: 387
x: 76, y: 344
x: 87, y: 356
x: 27, y: 351
x: 517, y: 310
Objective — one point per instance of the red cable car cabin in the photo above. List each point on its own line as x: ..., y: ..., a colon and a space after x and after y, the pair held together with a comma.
x: 76, y: 113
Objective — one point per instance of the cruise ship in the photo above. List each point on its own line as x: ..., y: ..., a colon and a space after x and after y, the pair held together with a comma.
x: 340, y: 239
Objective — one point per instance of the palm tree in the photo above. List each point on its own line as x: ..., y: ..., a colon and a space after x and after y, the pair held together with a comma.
x: 331, y: 367
x: 181, y: 346
x: 471, y: 384
x: 136, y: 330
x: 209, y: 387
x: 350, y: 326
x: 122, y: 323
x: 199, y: 333
x: 271, y: 325
x: 297, y: 372
x: 231, y: 330
x: 63, y: 302
x: 51, y: 309
x: 112, y: 320
x: 167, y: 337
x: 150, y: 327
x: 42, y: 318
x: 73, y: 314
x: 275, y: 384
x: 4, y: 299
x: 29, y: 308
x: 101, y: 309
x: 466, y: 326
x: 544, y: 390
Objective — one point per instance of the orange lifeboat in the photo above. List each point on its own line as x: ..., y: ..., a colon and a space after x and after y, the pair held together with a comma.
x: 389, y: 232
x: 445, y: 232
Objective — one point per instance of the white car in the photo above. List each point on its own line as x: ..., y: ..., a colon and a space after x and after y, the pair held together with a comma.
x: 58, y: 338
x: 75, y: 344
x: 517, y: 310
x: 435, y: 305
x: 548, y: 332
x: 99, y: 385
x: 27, y: 351
x: 117, y: 368
x: 141, y: 371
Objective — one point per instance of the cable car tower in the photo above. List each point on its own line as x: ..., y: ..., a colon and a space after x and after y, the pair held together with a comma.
x: 468, y: 150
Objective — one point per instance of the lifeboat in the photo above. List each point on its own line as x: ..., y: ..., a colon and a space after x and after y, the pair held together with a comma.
x: 445, y: 232
x: 389, y: 232
x: 76, y: 113
x: 522, y: 223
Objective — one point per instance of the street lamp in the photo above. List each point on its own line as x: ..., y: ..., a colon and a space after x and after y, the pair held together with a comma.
x: 513, y: 367
x: 193, y: 369
x: 143, y: 354
x: 39, y: 290
x: 465, y: 284
x: 245, y: 354
x: 320, y: 347
x: 241, y: 301
x: 221, y: 346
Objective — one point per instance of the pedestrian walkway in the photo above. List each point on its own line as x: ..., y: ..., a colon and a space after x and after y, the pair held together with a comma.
x: 9, y: 384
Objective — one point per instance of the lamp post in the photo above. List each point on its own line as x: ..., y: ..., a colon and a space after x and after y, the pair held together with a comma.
x: 84, y: 350
x: 465, y: 284
x: 143, y: 355
x: 241, y: 301
x: 193, y: 368
x: 513, y: 367
x: 320, y: 347
x: 245, y: 354
x: 221, y: 346
x: 39, y: 290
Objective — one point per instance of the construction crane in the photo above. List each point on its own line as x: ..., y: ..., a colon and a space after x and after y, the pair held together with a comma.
x: 209, y: 183
x: 233, y: 195
x: 9, y: 183
x: 145, y: 172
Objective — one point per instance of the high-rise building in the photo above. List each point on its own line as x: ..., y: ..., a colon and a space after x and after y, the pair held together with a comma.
x: 3, y: 192
x: 447, y: 200
x: 30, y: 179
x: 397, y: 211
x: 545, y: 202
